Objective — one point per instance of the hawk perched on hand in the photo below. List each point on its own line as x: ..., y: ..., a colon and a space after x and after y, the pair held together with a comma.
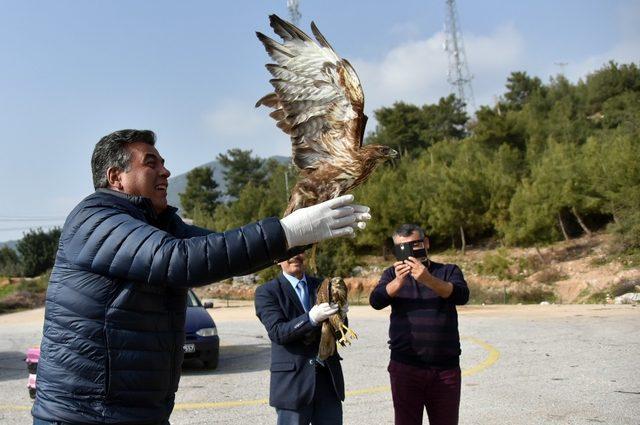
x: 318, y: 101
x: 334, y: 291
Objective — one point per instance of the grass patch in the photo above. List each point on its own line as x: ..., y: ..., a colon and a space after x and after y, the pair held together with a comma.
x: 599, y: 261
x: 631, y: 258
x: 28, y: 293
x: 616, y: 290
x: 532, y: 295
x: 479, y: 294
x: 599, y: 297
x: 7, y: 289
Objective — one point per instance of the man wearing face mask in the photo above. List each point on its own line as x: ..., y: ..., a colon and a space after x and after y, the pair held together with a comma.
x: 423, y: 331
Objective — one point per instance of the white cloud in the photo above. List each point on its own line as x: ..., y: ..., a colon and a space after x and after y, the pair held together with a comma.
x: 237, y: 124
x: 416, y: 71
x: 626, y: 50
x: 406, y: 30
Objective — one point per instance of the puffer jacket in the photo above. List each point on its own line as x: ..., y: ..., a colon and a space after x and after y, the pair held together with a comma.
x: 113, y: 332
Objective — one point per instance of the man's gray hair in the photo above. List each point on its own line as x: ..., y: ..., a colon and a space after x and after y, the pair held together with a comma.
x: 408, y: 230
x: 111, y: 151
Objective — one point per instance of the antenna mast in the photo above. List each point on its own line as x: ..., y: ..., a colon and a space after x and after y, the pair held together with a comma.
x: 458, y: 76
x: 294, y: 13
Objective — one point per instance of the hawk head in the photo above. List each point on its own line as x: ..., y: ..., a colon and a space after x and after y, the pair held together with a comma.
x: 337, y: 291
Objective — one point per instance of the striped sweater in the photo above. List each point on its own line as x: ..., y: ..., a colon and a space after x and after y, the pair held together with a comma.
x: 423, y: 330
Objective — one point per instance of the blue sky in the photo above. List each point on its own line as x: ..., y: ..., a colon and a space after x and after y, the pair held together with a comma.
x: 73, y: 71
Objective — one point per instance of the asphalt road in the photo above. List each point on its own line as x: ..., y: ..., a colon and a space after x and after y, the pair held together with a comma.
x: 521, y: 365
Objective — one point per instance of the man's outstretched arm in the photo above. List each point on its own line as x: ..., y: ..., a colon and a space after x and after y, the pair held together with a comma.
x: 111, y: 242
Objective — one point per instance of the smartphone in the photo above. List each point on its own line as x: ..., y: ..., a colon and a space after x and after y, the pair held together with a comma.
x: 403, y: 251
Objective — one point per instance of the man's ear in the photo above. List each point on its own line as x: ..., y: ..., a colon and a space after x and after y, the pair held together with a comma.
x: 426, y: 242
x: 114, y: 178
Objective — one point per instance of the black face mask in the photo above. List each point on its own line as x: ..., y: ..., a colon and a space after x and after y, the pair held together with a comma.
x: 403, y: 251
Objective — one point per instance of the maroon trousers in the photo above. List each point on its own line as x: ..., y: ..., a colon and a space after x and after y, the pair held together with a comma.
x: 414, y: 389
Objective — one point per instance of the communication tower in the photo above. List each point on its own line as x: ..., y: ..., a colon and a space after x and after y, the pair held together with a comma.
x: 458, y: 76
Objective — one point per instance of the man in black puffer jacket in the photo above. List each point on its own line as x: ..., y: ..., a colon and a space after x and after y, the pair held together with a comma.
x: 112, y: 342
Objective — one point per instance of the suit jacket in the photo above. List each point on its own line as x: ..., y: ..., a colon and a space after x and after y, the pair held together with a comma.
x: 294, y: 344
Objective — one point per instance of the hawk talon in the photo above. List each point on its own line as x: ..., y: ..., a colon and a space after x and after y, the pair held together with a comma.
x: 350, y: 332
x: 346, y: 337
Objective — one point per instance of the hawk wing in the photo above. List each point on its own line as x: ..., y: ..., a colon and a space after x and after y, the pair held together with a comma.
x: 318, y: 99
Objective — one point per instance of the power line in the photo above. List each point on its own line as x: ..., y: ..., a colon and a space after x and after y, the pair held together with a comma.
x: 13, y: 229
x: 13, y: 219
x: 34, y: 217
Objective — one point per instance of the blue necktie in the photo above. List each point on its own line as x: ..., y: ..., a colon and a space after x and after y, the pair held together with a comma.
x: 303, y: 294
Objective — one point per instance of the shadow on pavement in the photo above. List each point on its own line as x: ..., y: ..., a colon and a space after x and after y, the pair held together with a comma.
x: 13, y: 366
x: 233, y: 359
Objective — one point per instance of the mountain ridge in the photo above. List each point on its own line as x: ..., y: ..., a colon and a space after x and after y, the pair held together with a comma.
x: 178, y: 184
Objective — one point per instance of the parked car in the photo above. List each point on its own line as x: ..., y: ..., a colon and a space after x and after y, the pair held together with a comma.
x: 201, y: 342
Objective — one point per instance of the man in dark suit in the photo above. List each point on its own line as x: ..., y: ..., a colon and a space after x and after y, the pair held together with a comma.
x: 304, y: 389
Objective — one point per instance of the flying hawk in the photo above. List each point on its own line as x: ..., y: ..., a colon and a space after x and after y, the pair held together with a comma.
x: 318, y: 101
x: 333, y: 291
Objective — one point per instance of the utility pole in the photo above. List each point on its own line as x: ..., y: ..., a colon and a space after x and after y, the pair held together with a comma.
x: 562, y: 65
x: 294, y: 13
x: 458, y: 76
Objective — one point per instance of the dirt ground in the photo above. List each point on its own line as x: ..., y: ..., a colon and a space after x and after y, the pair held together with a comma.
x: 573, y: 270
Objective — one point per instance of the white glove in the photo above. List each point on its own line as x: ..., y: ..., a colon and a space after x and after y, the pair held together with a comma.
x: 329, y: 219
x: 321, y: 312
x: 362, y: 214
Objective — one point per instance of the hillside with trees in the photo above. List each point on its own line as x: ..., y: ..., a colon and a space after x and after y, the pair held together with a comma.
x: 546, y: 163
x: 550, y: 167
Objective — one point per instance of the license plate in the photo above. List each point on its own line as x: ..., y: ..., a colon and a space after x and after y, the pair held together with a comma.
x: 189, y: 348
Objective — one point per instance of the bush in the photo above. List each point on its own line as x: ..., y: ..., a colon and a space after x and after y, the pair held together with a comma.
x: 529, y: 264
x: 625, y: 286
x: 335, y: 258
x: 9, y: 262
x: 495, y: 265
x: 269, y: 273
x: 532, y: 295
x: 550, y: 275
x: 37, y: 250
